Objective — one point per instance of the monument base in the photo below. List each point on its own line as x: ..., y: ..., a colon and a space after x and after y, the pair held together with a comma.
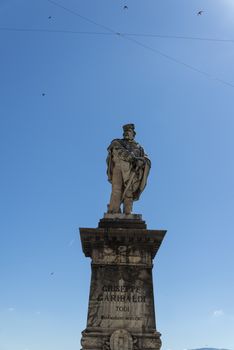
x: 121, y: 303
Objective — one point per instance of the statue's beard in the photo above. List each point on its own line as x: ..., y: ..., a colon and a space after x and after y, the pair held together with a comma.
x: 128, y: 138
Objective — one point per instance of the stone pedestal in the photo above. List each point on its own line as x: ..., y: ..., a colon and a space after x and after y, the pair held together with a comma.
x: 121, y: 302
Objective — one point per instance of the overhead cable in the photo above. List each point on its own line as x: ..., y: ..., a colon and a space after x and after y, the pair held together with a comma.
x: 147, y: 47
x: 160, y: 36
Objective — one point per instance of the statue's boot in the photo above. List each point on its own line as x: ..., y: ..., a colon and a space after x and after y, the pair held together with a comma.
x: 115, y: 201
x: 127, y: 208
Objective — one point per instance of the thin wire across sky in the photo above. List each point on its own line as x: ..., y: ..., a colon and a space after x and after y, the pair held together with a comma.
x: 146, y: 35
x: 132, y: 38
x: 147, y: 47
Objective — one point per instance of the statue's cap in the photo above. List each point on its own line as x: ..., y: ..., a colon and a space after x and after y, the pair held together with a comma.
x: 128, y: 127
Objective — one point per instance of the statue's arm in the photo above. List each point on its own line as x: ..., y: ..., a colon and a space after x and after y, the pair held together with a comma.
x: 143, y: 159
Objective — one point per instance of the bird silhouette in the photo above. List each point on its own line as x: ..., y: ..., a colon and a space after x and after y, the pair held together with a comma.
x: 125, y: 7
x: 200, y: 13
x: 49, y: 17
x: 43, y: 94
x: 52, y: 273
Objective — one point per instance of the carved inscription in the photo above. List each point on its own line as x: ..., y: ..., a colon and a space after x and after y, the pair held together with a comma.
x: 121, y: 296
x: 121, y: 293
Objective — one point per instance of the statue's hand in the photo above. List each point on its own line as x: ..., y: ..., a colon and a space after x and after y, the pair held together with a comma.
x: 132, y: 157
x: 140, y: 163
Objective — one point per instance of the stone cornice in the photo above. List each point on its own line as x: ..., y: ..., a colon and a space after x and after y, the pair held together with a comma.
x: 149, y: 240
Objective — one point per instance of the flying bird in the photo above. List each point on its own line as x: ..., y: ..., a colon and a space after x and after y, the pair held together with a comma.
x: 125, y: 7
x: 52, y: 273
x: 49, y: 17
x: 43, y: 94
x: 200, y: 13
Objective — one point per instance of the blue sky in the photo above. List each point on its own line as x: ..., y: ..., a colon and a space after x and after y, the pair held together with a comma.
x: 53, y: 172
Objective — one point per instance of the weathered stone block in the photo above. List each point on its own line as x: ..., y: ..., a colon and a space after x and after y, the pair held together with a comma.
x: 121, y: 303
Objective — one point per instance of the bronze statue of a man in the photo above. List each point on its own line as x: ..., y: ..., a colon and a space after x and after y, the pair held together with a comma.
x: 127, y: 168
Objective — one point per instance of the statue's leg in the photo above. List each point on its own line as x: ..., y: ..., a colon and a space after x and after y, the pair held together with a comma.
x: 117, y: 188
x: 128, y: 202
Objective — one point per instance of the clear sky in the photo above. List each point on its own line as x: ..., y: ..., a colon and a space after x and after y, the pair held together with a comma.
x: 64, y: 96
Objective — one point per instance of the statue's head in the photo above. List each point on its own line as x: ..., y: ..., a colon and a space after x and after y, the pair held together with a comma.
x: 129, y: 132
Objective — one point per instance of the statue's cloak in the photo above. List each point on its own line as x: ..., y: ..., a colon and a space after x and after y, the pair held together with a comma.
x: 124, y: 153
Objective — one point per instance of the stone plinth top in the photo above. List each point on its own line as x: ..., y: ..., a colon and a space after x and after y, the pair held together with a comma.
x: 122, y: 221
x: 122, y: 216
x: 122, y: 224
